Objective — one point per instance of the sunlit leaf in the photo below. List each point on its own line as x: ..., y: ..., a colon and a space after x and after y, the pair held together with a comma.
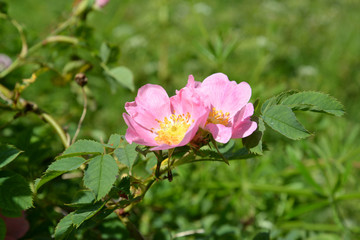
x: 66, y: 164
x: 83, y: 147
x: 101, y: 175
x: 282, y: 119
x: 64, y: 228
x: 123, y: 76
x: 127, y: 155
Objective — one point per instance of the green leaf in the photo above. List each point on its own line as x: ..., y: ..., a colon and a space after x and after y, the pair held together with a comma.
x: 2, y: 229
x: 15, y: 193
x: 66, y: 164
x: 48, y: 176
x: 65, y: 228
x: 314, y: 101
x: 104, y: 52
x: 114, y: 141
x: 83, y: 198
x: 123, y: 76
x: 262, y: 236
x: 101, y: 175
x: 254, y: 141
x: 83, y: 147
x: 276, y: 100
x: 282, y: 119
x: 8, y: 154
x: 85, y: 213
x: 127, y: 155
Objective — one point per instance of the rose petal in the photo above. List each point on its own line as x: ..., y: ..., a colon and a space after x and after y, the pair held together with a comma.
x: 220, y: 132
x: 137, y: 134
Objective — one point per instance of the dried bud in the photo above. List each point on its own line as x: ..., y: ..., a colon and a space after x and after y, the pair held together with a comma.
x: 81, y: 79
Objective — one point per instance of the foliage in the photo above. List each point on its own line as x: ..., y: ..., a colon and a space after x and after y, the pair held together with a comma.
x: 91, y: 189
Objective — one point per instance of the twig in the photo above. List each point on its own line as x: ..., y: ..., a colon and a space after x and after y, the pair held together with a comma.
x: 82, y: 116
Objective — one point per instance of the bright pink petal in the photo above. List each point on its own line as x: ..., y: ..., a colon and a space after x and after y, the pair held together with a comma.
x: 220, y: 132
x: 237, y: 96
x: 137, y: 134
x: 243, y: 126
x: 225, y: 95
x: 192, y: 83
x: 152, y: 103
x: 213, y: 87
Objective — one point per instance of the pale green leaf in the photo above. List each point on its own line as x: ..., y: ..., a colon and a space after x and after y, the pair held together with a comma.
x: 123, y: 76
x: 15, y: 193
x: 314, y: 101
x: 127, y: 155
x: 66, y: 164
x: 8, y: 154
x: 101, y: 175
x: 282, y: 119
x: 83, y: 147
x: 104, y: 52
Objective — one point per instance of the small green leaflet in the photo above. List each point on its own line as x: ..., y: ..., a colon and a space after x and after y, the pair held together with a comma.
x: 48, y: 176
x: 314, y: 101
x: 86, y: 212
x: 83, y: 147
x: 8, y: 154
x: 282, y: 119
x: 127, y: 155
x: 123, y: 76
x: 66, y: 164
x: 101, y: 175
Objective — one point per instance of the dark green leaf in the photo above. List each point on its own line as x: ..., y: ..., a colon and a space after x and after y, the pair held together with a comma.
x: 282, y: 119
x: 254, y: 141
x: 314, y: 101
x: 262, y: 236
x: 7, y: 154
x: 15, y: 193
x: 123, y: 76
x: 66, y: 164
x: 86, y: 212
x: 48, y: 176
x: 127, y: 155
x: 83, y: 147
x: 101, y: 175
x: 65, y: 228
x: 83, y: 198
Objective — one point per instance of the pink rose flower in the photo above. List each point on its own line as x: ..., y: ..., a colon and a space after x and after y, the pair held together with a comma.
x: 15, y: 227
x: 156, y: 120
x: 230, y: 111
x: 101, y: 3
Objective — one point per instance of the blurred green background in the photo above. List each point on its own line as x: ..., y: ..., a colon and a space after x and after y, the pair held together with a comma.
x: 298, y: 190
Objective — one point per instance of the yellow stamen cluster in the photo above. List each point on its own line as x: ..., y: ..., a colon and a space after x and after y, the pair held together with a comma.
x: 218, y: 117
x: 172, y: 130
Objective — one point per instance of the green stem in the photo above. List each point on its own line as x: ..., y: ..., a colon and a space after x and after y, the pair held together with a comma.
x: 57, y: 128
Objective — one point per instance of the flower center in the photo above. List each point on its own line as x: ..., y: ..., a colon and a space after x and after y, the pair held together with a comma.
x: 172, y: 130
x: 218, y: 117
